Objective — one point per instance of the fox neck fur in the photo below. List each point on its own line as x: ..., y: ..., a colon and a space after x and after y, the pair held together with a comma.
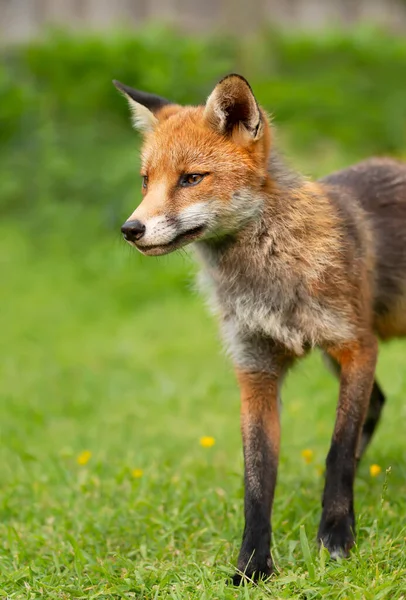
x: 274, y: 278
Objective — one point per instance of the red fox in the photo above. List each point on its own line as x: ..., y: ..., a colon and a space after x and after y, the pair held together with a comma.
x: 290, y: 264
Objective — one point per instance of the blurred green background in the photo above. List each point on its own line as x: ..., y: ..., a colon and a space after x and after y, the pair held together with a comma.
x: 106, y: 352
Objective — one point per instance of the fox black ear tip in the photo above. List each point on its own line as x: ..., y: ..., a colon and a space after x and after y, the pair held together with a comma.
x: 118, y: 85
x: 234, y: 76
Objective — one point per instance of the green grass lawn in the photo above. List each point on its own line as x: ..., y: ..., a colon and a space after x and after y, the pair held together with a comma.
x: 106, y: 352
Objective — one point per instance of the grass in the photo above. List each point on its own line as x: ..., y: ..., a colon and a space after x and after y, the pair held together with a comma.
x: 110, y: 373
x: 107, y: 352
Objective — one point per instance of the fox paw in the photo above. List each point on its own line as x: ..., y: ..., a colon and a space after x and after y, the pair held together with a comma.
x: 337, y: 535
x: 253, y: 570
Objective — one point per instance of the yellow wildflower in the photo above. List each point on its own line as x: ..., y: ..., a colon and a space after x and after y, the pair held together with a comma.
x: 84, y: 457
x: 137, y: 473
x: 307, y: 455
x: 374, y: 470
x: 207, y: 441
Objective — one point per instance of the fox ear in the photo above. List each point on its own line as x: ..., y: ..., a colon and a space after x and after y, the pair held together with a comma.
x: 143, y: 106
x: 232, y: 105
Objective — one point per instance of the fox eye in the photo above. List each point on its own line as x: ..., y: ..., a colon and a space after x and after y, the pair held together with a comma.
x: 145, y: 181
x: 189, y: 179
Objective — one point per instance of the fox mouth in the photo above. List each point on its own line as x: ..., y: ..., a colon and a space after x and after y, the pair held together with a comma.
x: 186, y: 237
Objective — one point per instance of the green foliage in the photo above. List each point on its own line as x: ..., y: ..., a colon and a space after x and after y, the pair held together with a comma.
x: 70, y: 77
x: 349, y: 87
x: 65, y: 132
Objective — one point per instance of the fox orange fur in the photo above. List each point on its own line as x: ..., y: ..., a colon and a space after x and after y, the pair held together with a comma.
x: 290, y: 265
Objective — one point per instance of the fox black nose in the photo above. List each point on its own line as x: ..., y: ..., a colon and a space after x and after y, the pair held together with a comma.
x: 133, y: 230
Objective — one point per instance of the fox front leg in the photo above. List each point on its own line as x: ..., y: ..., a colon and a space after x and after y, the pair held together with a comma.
x: 261, y: 435
x: 357, y: 368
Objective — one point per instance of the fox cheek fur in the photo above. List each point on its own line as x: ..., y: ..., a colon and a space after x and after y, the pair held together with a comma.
x: 290, y: 264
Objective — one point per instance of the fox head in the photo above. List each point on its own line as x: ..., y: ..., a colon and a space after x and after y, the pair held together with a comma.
x: 203, y: 170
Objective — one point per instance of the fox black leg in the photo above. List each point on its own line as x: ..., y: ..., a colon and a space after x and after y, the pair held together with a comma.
x: 376, y: 403
x: 357, y: 365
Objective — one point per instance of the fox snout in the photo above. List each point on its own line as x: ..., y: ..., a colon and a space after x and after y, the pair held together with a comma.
x: 133, y: 230
x: 161, y: 233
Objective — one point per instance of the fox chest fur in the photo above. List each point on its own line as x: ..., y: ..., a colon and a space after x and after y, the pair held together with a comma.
x: 265, y: 290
